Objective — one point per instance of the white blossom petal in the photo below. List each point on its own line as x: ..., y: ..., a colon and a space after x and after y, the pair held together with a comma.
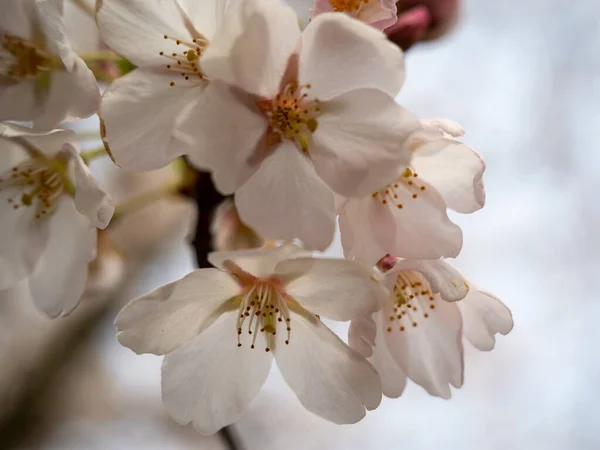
x: 442, y: 277
x: 135, y: 29
x: 18, y: 100
x: 455, y: 171
x: 362, y: 333
x: 333, y: 288
x: 393, y: 378
x: 423, y: 229
x: 18, y: 18
x: 430, y: 352
x: 355, y: 56
x: 260, y: 262
x: 58, y: 282
x: 174, y: 314
x: 207, y: 16
x: 484, y: 315
x: 286, y: 200
x: 360, y: 139
x: 139, y: 112
x: 90, y: 200
x: 210, y: 380
x: 367, y: 230
x: 252, y: 48
x: 329, y: 378
x: 225, y: 128
x: 72, y: 95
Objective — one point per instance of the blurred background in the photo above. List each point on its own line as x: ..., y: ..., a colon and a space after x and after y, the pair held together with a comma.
x: 523, y: 78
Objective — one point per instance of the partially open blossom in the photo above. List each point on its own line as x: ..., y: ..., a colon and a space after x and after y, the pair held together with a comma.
x: 166, y: 41
x: 221, y: 328
x: 422, y: 20
x: 50, y: 207
x: 379, y: 14
x: 407, y: 216
x: 306, y: 114
x: 418, y: 333
x: 42, y: 80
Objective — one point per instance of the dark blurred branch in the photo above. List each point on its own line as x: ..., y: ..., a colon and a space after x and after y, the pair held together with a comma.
x: 208, y: 199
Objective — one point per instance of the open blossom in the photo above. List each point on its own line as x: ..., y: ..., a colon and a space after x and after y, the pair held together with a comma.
x: 418, y: 333
x: 50, y: 207
x: 377, y: 13
x: 42, y: 79
x: 166, y: 41
x: 221, y: 328
x: 312, y: 112
x: 407, y: 217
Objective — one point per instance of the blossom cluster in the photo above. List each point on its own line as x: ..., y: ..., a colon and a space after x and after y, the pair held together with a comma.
x: 300, y: 124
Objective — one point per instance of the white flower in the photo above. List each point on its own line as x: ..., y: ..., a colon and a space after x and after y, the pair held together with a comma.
x: 221, y: 328
x: 49, y: 209
x: 302, y: 114
x: 41, y: 79
x: 407, y: 217
x: 377, y: 13
x: 165, y: 40
x: 418, y: 333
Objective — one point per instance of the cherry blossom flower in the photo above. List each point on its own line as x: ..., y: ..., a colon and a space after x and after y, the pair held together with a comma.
x: 41, y: 79
x: 221, y: 328
x: 50, y: 209
x: 166, y: 41
x: 314, y: 113
x: 377, y: 13
x: 418, y: 333
x: 407, y: 216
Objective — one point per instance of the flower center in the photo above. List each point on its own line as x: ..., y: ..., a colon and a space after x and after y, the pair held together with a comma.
x: 389, y: 195
x: 185, y: 63
x: 25, y: 60
x: 348, y: 6
x: 292, y: 115
x: 262, y: 309
x: 36, y: 183
x: 412, y: 299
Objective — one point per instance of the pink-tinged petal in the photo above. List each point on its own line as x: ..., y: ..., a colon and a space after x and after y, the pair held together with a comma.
x: 359, y: 141
x: 333, y: 288
x: 362, y: 333
x: 59, y: 279
x: 393, y: 378
x: 72, y: 96
x: 174, y: 314
x: 321, y: 6
x: 90, y: 200
x: 444, y: 127
x: 210, y: 380
x: 410, y: 27
x: 367, y: 230
x: 442, y: 277
x: 455, y: 171
x: 423, y: 229
x: 356, y: 57
x: 136, y: 29
x: 329, y: 378
x: 379, y: 14
x: 138, y: 113
x: 260, y: 262
x: 224, y: 130
x: 484, y: 315
x: 232, y: 56
x: 286, y: 200
x: 427, y: 348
